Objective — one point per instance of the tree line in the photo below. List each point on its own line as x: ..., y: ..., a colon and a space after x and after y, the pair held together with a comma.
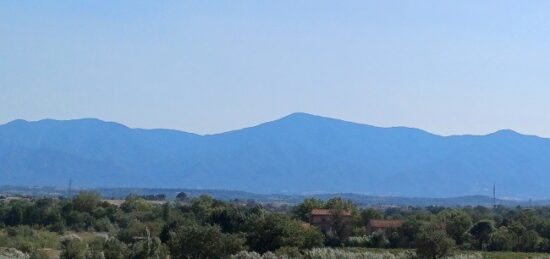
x: 203, y: 227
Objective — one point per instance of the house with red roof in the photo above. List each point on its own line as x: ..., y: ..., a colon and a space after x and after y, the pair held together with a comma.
x: 323, y: 219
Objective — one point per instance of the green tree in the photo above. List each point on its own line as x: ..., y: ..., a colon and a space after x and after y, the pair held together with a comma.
x: 410, y: 230
x: 518, y: 230
x: 312, y: 237
x: 302, y: 210
x: 115, y: 249
x: 182, y: 196
x: 230, y: 219
x: 86, y: 201
x: 433, y: 242
x: 151, y: 248
x: 528, y: 218
x: 368, y: 214
x: 339, y: 204
x: 203, y: 206
x: 74, y: 249
x: 15, y: 215
x: 136, y: 204
x: 38, y: 254
x: 378, y: 239
x: 457, y: 223
x: 543, y: 229
x: 134, y: 230
x: 196, y: 241
x: 95, y: 249
x: 342, y: 213
x: 529, y: 241
x: 270, y: 232
x: 482, y: 231
x: 501, y: 240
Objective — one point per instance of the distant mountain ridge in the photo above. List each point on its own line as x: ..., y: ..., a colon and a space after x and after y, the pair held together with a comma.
x: 291, y: 199
x: 300, y: 153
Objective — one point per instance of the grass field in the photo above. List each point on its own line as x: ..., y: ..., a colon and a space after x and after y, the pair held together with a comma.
x: 465, y: 254
x: 52, y: 249
x: 510, y: 255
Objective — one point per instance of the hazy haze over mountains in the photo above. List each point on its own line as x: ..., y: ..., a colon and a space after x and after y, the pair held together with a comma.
x: 300, y: 153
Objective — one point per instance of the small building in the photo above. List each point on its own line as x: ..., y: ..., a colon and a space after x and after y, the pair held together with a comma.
x: 383, y: 225
x: 323, y: 219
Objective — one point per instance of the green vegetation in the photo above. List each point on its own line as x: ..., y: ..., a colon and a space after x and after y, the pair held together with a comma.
x: 202, y: 227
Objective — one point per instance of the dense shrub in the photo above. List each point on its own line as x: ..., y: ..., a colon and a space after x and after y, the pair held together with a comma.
x: 196, y: 241
x: 12, y: 253
x: 360, y: 241
x: 433, y: 242
x: 329, y: 253
x: 74, y: 249
x: 26, y: 239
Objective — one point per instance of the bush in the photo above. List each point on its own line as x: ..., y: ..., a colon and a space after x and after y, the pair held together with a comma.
x: 501, y: 240
x: 135, y: 229
x: 246, y: 255
x: 12, y: 253
x: 272, y: 231
x: 103, y: 225
x: 377, y: 239
x: 95, y: 248
x: 433, y: 242
x: 529, y: 241
x: 196, y: 241
x: 74, y: 249
x: 115, y: 249
x: 362, y: 241
x: 481, y: 231
x: 254, y: 255
x: 39, y: 254
x: 27, y: 239
x: 151, y: 248
x: 286, y: 251
x: 331, y: 253
x: 465, y: 256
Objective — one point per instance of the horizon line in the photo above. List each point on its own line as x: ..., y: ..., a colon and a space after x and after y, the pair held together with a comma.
x: 311, y: 115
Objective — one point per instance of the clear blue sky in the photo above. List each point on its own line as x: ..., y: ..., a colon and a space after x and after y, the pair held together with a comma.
x: 449, y: 67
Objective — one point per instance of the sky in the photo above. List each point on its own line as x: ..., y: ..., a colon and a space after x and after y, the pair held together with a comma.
x: 449, y: 67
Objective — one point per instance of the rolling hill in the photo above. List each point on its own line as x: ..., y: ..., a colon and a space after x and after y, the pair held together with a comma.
x: 300, y: 153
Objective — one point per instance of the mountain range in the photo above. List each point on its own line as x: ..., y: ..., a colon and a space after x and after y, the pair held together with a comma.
x: 298, y: 154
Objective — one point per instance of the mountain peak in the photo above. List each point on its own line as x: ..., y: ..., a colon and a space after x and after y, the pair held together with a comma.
x: 301, y: 115
x: 301, y: 119
x: 17, y: 122
x: 506, y: 132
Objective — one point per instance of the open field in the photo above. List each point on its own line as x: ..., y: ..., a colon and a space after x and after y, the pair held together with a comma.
x: 511, y: 255
x: 457, y: 254
x: 462, y: 254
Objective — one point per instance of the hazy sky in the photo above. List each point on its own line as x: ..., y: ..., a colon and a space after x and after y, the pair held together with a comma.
x: 449, y: 67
